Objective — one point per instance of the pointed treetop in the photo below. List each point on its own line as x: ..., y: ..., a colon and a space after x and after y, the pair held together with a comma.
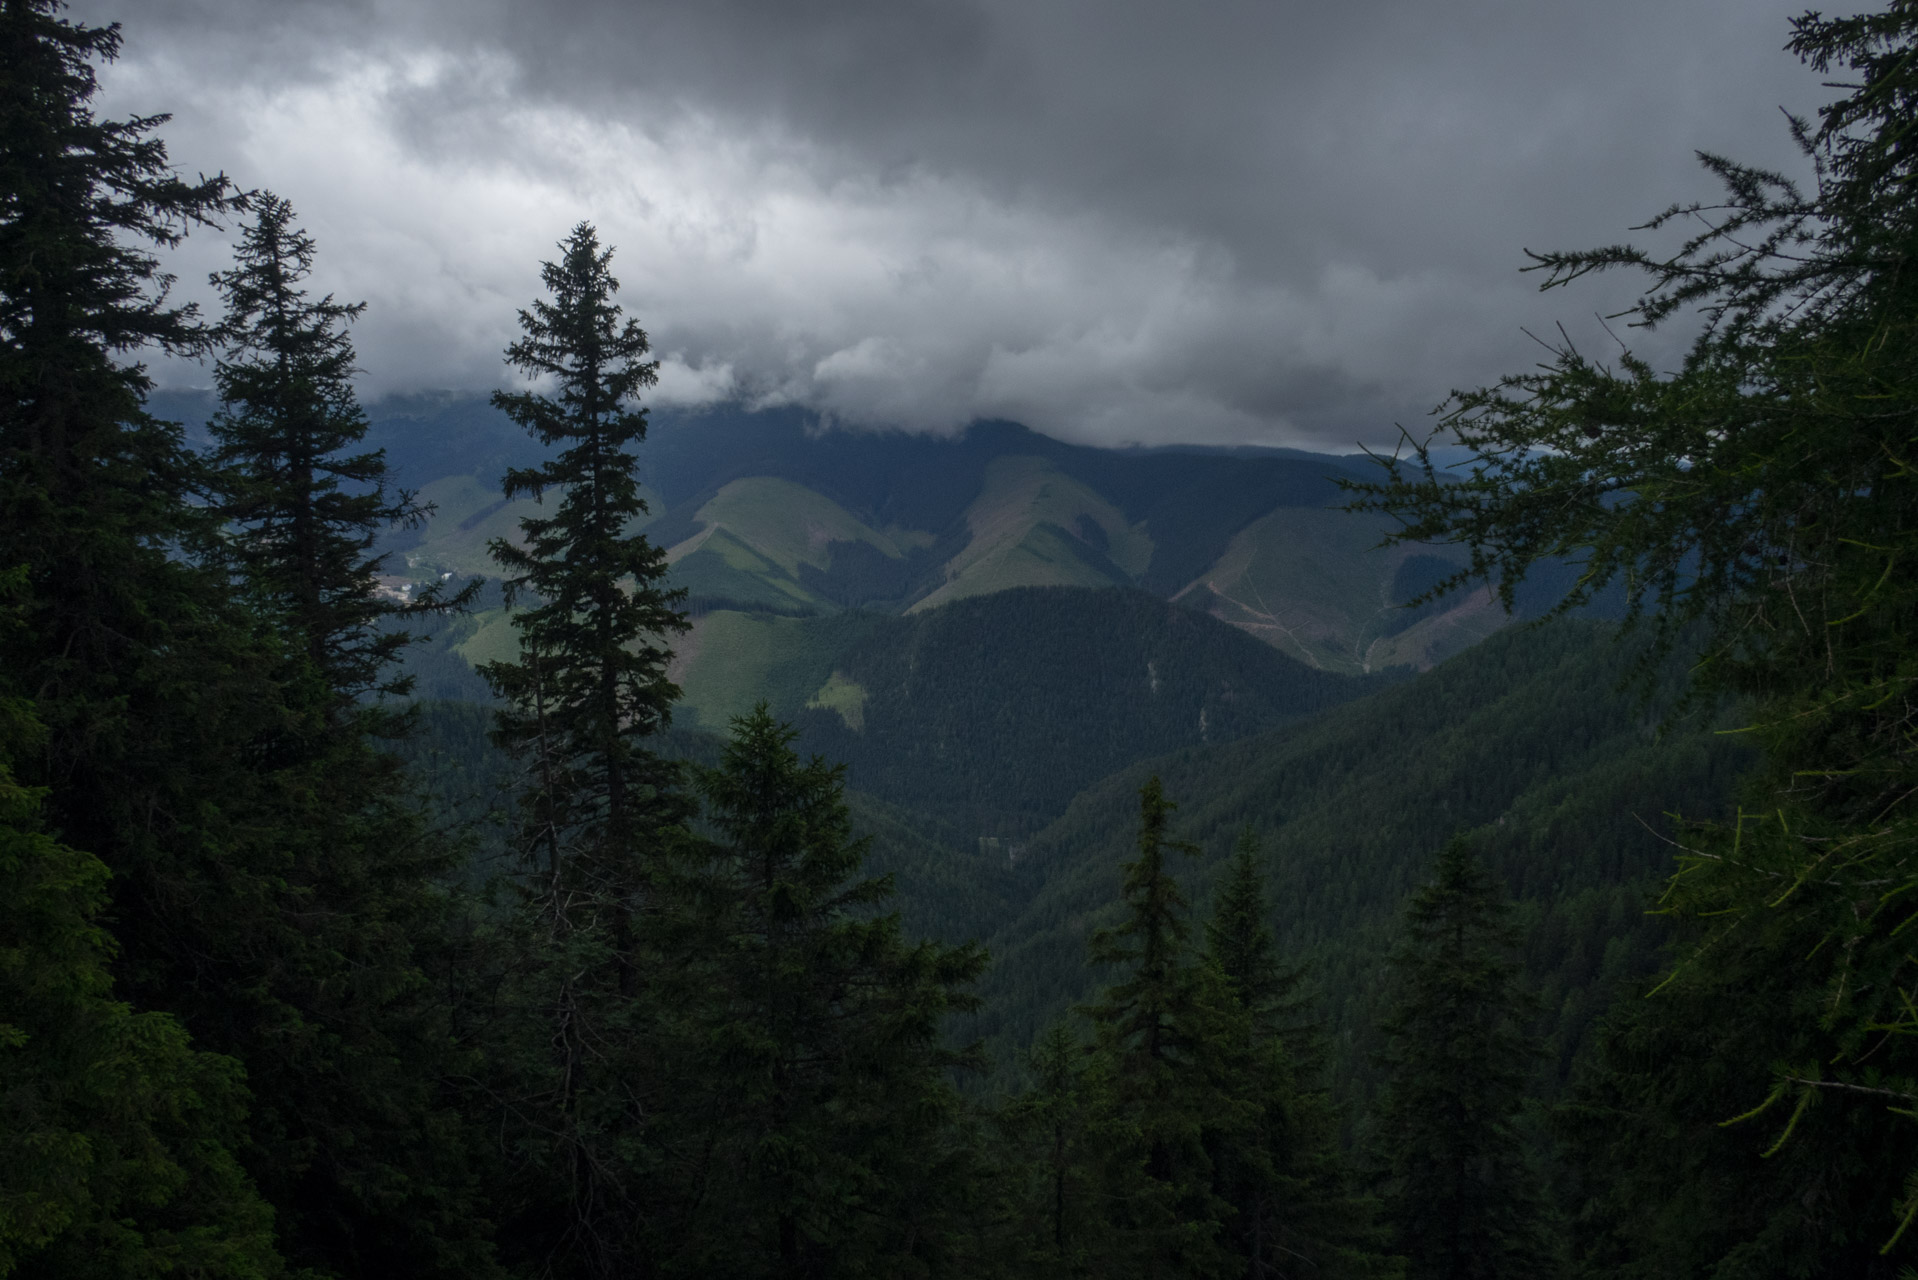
x: 581, y: 341
x: 1155, y: 930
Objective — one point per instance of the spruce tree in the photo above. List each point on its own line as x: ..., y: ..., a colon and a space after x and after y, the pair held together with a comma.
x: 1459, y: 1191
x: 597, y: 809
x: 1293, y: 1208
x: 825, y: 1122
x: 1240, y: 943
x: 357, y: 1143
x: 124, y: 638
x: 302, y: 507
x: 590, y: 682
x: 1161, y: 1032
x: 152, y: 689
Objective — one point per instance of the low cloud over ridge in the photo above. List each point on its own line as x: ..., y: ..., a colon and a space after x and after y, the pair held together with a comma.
x: 1250, y: 221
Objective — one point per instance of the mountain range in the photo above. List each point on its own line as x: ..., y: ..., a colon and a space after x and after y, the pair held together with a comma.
x: 768, y: 513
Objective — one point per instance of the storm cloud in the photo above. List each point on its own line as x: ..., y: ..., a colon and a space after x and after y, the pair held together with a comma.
x: 1232, y: 221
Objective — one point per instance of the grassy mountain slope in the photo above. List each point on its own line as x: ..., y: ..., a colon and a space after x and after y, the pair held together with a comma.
x: 1315, y: 583
x: 769, y: 543
x: 468, y: 513
x: 1524, y: 740
x: 732, y: 659
x: 1255, y: 538
x: 763, y: 512
x: 715, y: 567
x: 1032, y: 525
x: 788, y: 523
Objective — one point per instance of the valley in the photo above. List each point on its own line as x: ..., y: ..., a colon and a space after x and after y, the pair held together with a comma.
x: 835, y: 759
x: 1000, y: 637
x: 998, y: 644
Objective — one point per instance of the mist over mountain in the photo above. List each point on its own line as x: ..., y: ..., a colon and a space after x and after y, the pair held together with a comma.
x: 773, y: 512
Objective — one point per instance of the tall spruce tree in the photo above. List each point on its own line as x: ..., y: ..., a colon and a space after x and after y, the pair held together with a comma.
x: 151, y: 688
x: 1293, y: 1210
x: 597, y: 809
x: 356, y: 1142
x: 1162, y: 1044
x: 1459, y: 1191
x: 822, y: 1130
x: 303, y: 503
x: 590, y: 683
x: 125, y: 639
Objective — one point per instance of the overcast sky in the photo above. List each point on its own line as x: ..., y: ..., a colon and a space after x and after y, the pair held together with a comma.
x: 1227, y: 221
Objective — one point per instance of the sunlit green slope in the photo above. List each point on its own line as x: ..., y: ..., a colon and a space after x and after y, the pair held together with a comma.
x: 1316, y: 583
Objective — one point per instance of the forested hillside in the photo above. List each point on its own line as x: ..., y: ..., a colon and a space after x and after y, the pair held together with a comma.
x: 1564, y: 779
x: 992, y: 712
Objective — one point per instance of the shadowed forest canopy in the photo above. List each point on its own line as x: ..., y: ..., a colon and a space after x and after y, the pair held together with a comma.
x: 541, y: 840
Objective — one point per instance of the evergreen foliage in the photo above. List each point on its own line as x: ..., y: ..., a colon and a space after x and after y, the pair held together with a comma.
x: 1459, y: 1190
x: 144, y: 687
x: 251, y: 1027
x: 1239, y: 942
x: 1051, y: 1142
x: 1524, y: 740
x: 1660, y: 1186
x: 1194, y: 1135
x: 590, y: 682
x: 597, y: 810
x: 95, y: 494
x: 958, y: 698
x: 303, y: 513
x: 1292, y: 1208
x: 825, y: 1137
x: 268, y: 890
x: 1762, y: 494
x: 1158, y: 1072
x: 116, y: 1134
x: 355, y: 1134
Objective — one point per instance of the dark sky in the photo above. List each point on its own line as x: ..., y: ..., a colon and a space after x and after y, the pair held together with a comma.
x: 1217, y: 220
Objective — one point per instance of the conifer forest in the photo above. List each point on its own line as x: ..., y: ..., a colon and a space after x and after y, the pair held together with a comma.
x: 551, y: 866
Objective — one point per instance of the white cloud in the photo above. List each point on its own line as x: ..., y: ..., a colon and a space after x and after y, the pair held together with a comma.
x: 682, y: 386
x: 1144, y: 232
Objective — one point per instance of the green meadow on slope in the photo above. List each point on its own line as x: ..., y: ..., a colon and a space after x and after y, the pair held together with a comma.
x: 1313, y: 583
x: 1034, y: 526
